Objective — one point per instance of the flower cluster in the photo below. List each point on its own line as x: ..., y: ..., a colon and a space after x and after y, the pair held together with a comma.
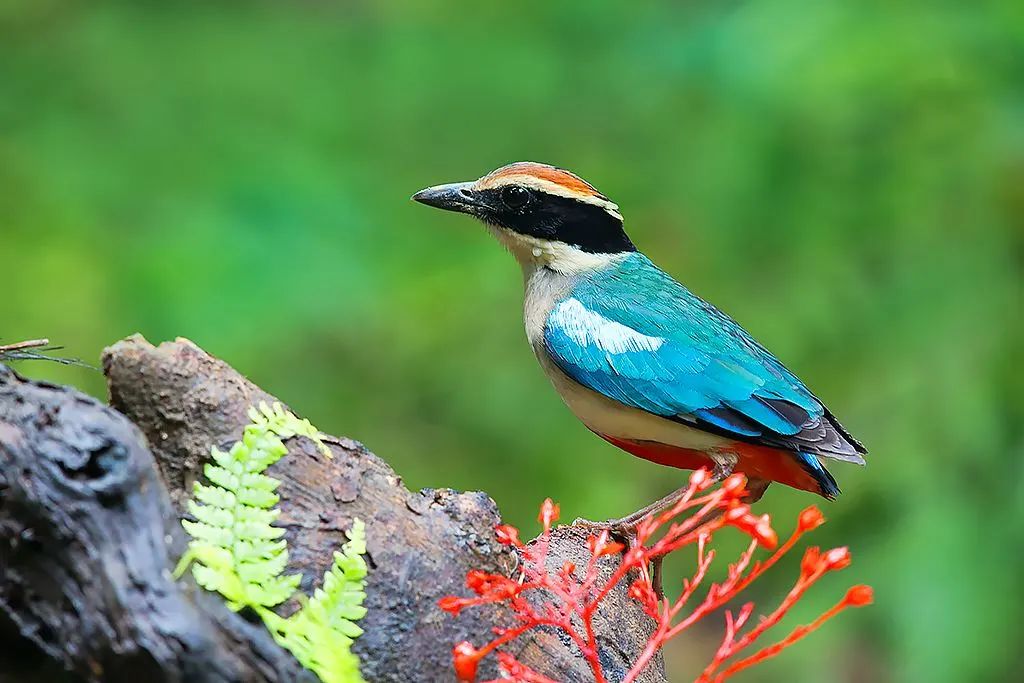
x: 567, y: 599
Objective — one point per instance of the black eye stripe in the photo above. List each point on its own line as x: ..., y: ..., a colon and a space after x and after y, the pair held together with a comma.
x: 546, y: 216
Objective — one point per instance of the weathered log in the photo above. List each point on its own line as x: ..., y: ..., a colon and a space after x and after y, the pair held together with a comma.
x: 89, y: 531
x: 87, y: 540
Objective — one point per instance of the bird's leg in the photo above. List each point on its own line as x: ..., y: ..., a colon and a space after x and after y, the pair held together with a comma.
x: 626, y: 526
x: 722, y: 470
x: 755, y: 489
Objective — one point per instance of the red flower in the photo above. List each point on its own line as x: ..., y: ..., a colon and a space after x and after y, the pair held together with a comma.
x: 811, y: 560
x: 600, y: 546
x: 861, y: 595
x: 700, y: 478
x: 508, y: 535
x: 477, y: 581
x: 811, y: 518
x: 837, y: 558
x: 548, y: 514
x: 567, y: 602
x: 451, y: 604
x: 466, y: 658
x: 734, y: 483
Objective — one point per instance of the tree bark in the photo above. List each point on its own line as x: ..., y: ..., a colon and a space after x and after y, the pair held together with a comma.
x: 90, y: 502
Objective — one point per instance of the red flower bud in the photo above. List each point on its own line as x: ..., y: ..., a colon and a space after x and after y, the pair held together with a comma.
x: 569, y: 568
x: 500, y: 588
x: 858, y: 596
x: 811, y: 518
x: 734, y: 484
x: 465, y: 658
x: 765, y: 534
x: 737, y: 514
x: 600, y: 546
x: 613, y: 548
x: 809, y: 563
x: 548, y: 513
x: 700, y: 478
x: 451, y: 604
x: 837, y: 558
x: 508, y: 535
x: 478, y: 581
x: 642, y: 592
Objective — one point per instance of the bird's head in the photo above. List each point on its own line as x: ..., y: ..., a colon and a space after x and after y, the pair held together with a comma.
x: 544, y: 215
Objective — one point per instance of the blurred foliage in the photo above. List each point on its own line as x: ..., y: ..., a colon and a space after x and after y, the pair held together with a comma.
x: 844, y: 178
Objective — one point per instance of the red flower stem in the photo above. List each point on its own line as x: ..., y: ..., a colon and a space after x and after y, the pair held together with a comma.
x: 668, y: 612
x: 730, y: 647
x: 770, y: 651
x: 634, y: 558
x: 512, y: 634
x: 738, y: 585
x: 691, y: 587
x: 654, y: 643
x: 727, y: 590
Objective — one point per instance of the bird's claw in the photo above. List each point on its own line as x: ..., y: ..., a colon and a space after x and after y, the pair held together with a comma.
x: 614, y: 527
x: 723, y: 467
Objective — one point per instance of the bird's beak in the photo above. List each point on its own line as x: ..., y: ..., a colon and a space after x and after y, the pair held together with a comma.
x: 452, y: 197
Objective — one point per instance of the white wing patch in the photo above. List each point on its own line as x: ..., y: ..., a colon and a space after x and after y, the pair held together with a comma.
x: 586, y: 327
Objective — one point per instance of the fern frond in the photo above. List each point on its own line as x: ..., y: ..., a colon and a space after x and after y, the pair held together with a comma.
x: 235, y: 512
x: 321, y: 633
x: 274, y: 418
x: 342, y: 595
x: 238, y: 552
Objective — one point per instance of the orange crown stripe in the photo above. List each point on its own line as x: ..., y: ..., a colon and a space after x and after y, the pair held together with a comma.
x: 551, y: 174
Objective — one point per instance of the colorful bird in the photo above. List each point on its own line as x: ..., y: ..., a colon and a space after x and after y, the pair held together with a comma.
x: 643, y: 362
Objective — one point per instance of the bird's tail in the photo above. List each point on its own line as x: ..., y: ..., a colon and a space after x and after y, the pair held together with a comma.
x: 827, y: 483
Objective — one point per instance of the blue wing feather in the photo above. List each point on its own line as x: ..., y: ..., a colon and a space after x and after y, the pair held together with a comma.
x: 635, y: 335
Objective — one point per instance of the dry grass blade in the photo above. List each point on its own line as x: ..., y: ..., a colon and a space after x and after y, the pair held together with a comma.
x: 35, y: 349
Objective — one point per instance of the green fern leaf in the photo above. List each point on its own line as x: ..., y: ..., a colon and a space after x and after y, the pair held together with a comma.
x: 257, y: 498
x: 214, y: 496
x: 222, y: 477
x: 208, y: 535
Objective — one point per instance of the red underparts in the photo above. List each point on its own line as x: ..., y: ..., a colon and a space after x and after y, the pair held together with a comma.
x: 756, y: 462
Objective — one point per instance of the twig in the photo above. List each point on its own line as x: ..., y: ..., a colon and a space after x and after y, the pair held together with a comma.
x: 30, y: 344
x: 36, y: 349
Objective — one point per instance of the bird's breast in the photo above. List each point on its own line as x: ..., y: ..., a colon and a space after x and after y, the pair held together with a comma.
x: 543, y: 289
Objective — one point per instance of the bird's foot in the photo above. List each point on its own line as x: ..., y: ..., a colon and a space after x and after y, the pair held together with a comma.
x: 623, y: 529
x: 725, y: 463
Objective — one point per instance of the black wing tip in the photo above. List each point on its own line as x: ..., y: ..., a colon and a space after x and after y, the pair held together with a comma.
x: 844, y: 433
x: 828, y: 488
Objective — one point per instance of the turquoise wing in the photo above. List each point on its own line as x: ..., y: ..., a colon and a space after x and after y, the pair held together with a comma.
x: 635, y: 335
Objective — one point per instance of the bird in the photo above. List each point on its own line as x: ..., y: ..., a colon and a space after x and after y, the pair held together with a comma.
x: 643, y: 362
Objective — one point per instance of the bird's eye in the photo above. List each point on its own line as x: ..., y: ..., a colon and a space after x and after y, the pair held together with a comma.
x: 515, y: 197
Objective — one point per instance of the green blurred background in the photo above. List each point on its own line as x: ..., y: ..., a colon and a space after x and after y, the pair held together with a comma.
x: 844, y: 178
